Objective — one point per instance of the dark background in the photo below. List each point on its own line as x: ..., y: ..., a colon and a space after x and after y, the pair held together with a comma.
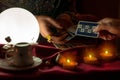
x: 100, y: 8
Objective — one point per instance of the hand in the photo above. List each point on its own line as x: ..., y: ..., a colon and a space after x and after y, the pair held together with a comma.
x: 108, y: 28
x: 47, y: 26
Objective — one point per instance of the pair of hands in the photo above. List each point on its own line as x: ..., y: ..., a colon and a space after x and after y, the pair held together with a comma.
x: 108, y: 28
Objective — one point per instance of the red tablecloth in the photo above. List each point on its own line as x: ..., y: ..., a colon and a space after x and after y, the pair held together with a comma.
x: 53, y: 71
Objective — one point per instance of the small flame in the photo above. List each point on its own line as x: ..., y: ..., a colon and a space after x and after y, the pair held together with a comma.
x: 68, y: 60
x: 90, y: 56
x: 106, y: 52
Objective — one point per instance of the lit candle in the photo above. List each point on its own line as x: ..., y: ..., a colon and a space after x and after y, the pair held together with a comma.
x: 69, y: 64
x: 90, y: 59
x: 106, y: 55
x: 108, y: 51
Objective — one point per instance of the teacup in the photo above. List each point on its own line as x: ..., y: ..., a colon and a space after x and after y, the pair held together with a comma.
x: 20, y: 55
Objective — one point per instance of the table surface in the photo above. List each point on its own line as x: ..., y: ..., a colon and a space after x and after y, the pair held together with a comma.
x: 52, y: 70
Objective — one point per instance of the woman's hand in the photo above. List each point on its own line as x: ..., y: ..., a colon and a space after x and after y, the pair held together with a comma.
x: 108, y: 28
x: 51, y: 30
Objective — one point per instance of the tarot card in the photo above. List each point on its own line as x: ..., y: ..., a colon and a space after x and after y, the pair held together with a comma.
x: 70, y: 36
x: 85, y: 28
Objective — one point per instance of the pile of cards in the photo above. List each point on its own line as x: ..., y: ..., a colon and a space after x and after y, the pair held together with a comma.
x: 83, y: 28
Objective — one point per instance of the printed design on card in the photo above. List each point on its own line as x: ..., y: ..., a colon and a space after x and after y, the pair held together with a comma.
x: 85, y: 28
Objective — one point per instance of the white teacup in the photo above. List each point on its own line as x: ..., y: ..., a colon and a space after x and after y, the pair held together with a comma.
x: 20, y: 55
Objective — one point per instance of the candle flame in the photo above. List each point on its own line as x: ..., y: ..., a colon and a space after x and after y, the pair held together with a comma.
x: 68, y: 60
x: 106, y: 52
x: 90, y: 56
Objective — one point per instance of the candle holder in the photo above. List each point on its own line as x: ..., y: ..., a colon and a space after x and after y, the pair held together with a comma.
x: 67, y: 61
x: 90, y: 56
x: 107, y: 55
x: 90, y: 59
x: 69, y: 64
x: 107, y: 51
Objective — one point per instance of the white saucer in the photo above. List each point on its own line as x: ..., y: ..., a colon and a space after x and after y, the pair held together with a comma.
x: 6, y: 66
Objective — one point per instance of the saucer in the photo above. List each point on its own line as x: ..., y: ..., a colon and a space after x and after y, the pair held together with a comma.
x: 6, y: 66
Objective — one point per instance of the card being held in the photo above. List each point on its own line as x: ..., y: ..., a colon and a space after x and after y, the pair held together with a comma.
x: 85, y: 28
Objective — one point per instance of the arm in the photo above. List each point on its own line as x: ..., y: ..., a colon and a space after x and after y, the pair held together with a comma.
x: 46, y: 24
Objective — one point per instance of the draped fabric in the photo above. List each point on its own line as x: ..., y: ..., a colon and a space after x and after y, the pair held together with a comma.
x: 53, y: 71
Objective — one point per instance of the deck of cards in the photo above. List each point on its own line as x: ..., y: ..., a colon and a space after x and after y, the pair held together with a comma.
x: 85, y: 28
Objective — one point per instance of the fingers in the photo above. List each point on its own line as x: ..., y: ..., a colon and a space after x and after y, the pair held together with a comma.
x: 45, y: 30
x: 59, y: 39
x: 110, y: 22
x: 106, y: 29
x: 101, y: 26
x: 97, y: 29
x: 50, y: 21
x: 107, y: 37
x: 65, y: 20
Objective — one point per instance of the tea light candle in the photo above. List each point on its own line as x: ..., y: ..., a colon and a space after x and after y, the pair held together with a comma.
x: 90, y: 59
x: 69, y: 64
x: 67, y: 60
x: 106, y: 55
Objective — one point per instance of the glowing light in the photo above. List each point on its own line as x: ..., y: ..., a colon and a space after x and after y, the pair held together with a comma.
x: 19, y: 24
x: 68, y: 60
x: 90, y: 58
x: 106, y: 52
x: 107, y: 55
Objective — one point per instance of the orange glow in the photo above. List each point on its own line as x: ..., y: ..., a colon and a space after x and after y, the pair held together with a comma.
x: 106, y: 55
x: 90, y: 58
x: 106, y: 52
x: 68, y: 61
